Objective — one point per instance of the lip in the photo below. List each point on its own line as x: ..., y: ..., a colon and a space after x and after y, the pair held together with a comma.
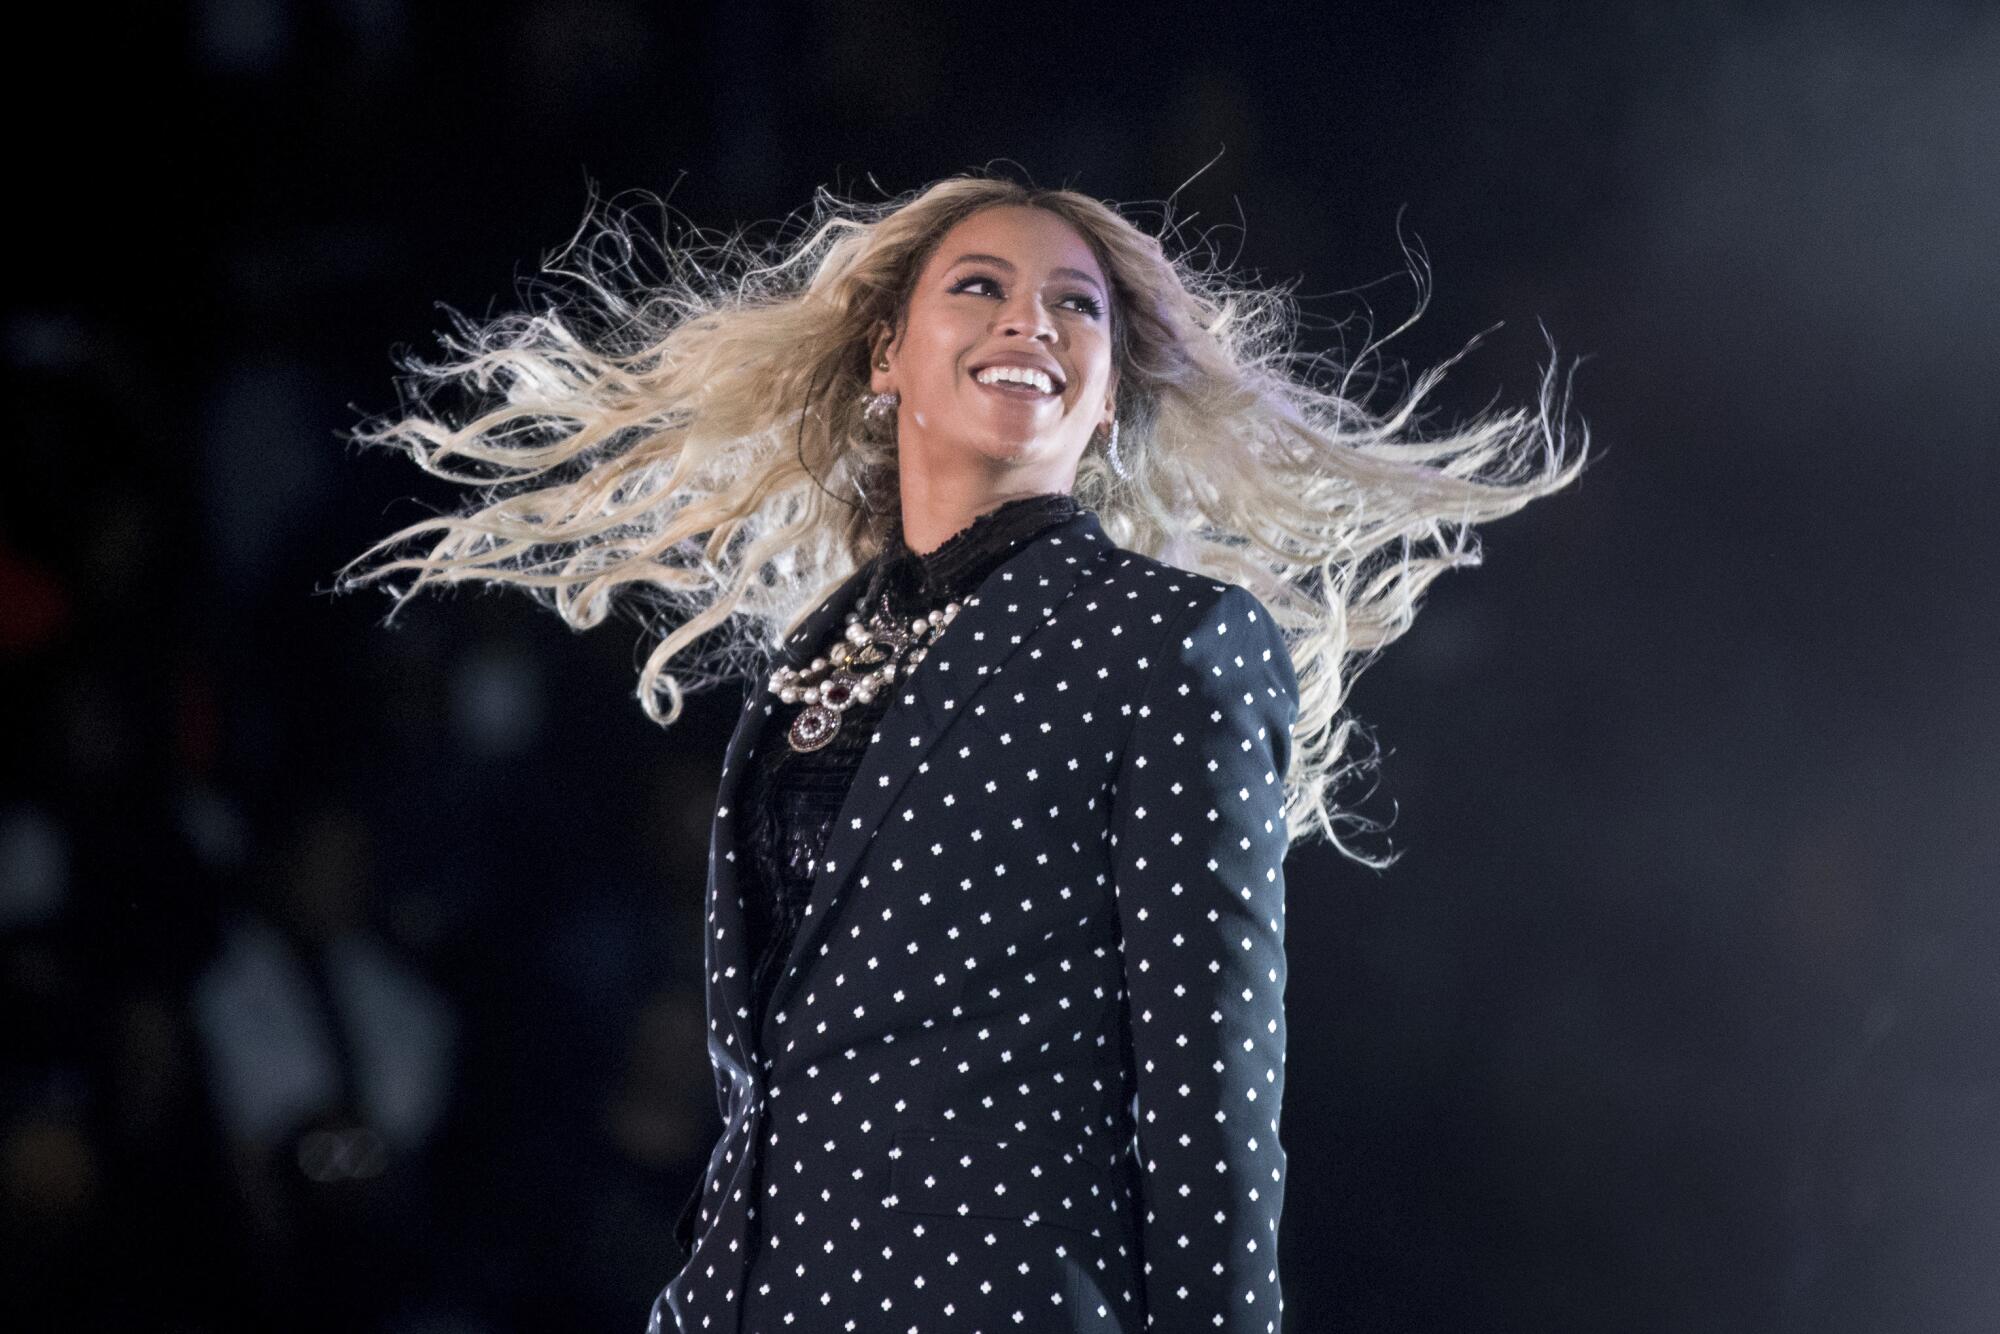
x: 1047, y: 368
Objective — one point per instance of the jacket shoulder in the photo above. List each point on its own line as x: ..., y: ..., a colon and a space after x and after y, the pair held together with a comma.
x: 1191, y: 615
x: 1172, y: 593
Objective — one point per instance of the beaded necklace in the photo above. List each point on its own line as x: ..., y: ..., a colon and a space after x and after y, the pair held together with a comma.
x: 868, y: 659
x: 877, y: 645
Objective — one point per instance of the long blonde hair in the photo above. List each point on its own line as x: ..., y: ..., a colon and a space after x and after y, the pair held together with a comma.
x: 698, y: 441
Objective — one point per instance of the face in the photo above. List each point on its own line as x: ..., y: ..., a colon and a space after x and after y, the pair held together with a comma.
x: 1008, y: 292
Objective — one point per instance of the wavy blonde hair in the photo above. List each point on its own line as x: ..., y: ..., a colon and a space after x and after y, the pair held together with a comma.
x: 696, y: 438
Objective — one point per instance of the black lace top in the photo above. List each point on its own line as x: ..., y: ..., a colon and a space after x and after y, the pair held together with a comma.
x: 790, y: 798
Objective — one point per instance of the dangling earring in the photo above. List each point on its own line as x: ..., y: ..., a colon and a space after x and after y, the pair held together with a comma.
x: 1111, y: 451
x: 880, y: 412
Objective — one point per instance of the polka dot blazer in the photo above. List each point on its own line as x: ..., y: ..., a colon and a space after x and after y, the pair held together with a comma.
x: 1023, y: 1066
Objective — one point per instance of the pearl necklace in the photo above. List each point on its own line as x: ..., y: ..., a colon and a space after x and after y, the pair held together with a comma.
x: 869, y: 658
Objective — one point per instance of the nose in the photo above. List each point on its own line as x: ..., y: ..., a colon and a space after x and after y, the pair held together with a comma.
x: 1025, y: 317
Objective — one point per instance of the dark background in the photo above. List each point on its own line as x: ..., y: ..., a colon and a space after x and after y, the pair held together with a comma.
x: 1677, y: 1012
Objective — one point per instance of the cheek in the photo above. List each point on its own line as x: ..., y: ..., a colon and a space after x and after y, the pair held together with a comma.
x: 935, y: 350
x: 1097, y: 361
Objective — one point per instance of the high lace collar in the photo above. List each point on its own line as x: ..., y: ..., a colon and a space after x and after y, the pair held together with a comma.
x: 958, y: 565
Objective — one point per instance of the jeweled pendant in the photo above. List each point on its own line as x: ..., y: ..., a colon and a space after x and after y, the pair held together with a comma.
x: 814, y: 727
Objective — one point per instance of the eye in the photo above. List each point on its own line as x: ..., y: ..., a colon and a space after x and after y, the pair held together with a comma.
x: 1086, y: 304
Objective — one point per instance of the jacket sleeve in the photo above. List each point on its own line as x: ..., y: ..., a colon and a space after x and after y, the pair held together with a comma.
x: 1198, y: 849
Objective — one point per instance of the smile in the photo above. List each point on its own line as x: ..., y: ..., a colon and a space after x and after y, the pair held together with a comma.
x: 1020, y: 380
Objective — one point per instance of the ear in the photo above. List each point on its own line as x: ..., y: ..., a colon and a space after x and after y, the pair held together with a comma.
x: 1110, y: 399
x: 881, y: 358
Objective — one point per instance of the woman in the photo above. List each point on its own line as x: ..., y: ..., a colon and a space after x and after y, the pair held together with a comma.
x: 995, y: 915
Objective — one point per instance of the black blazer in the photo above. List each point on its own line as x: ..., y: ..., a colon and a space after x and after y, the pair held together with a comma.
x: 1023, y: 1066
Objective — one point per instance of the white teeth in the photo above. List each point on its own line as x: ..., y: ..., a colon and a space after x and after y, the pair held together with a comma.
x: 1018, y: 375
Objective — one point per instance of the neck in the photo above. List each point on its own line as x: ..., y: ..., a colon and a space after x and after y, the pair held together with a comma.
x: 933, y: 512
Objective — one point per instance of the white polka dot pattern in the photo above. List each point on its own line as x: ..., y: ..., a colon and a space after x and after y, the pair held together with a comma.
x: 1199, y: 831
x: 1023, y: 1065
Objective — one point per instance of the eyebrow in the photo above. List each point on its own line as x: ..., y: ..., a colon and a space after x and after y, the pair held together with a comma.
x: 1000, y: 263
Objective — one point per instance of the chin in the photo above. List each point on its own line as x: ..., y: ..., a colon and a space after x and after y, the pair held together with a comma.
x: 1017, y: 451
x: 1002, y: 450
x: 1020, y: 448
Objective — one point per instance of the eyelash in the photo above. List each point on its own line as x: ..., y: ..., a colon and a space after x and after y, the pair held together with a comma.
x: 1090, y: 305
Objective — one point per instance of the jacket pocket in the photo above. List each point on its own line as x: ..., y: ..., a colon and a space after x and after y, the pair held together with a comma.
x: 949, y: 1174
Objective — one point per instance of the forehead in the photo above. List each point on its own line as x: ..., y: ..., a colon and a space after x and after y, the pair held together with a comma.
x: 1025, y: 236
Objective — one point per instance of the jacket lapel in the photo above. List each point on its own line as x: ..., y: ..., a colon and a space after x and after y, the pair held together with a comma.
x: 980, y: 640
x: 729, y: 963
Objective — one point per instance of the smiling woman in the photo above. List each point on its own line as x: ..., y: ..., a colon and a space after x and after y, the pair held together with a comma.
x: 1050, y: 579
